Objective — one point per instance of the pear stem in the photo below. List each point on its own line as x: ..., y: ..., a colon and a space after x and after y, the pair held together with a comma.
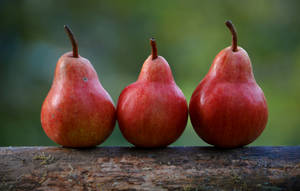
x: 154, y: 49
x: 73, y: 41
x: 232, y: 29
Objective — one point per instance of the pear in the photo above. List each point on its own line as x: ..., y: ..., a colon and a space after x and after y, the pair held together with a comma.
x: 228, y: 109
x: 77, y: 111
x: 152, y: 112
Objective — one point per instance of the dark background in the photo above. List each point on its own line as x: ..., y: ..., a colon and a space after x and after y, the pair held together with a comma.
x: 114, y: 36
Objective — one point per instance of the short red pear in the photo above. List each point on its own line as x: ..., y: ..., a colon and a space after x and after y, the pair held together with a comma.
x: 228, y: 109
x: 77, y: 111
x: 152, y: 112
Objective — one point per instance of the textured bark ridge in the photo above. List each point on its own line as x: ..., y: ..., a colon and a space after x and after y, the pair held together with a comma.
x: 173, y: 168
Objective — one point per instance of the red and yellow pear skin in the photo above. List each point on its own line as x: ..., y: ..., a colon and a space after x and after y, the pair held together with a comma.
x: 152, y: 112
x: 77, y: 111
x: 228, y: 109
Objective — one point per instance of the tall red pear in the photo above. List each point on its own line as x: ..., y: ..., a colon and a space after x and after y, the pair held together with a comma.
x: 77, y: 111
x: 152, y: 112
x: 228, y: 109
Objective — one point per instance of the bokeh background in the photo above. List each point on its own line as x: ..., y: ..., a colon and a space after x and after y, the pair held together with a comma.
x: 114, y: 36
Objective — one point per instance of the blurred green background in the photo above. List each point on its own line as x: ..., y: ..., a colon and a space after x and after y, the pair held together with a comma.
x: 114, y: 36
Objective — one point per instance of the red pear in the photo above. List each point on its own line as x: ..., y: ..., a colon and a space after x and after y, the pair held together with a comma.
x: 228, y: 109
x: 77, y: 111
x: 152, y: 112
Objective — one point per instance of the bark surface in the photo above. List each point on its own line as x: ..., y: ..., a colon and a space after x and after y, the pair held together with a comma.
x: 126, y: 168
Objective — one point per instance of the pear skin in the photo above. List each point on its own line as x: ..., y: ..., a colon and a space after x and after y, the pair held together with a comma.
x: 228, y: 109
x: 152, y: 112
x: 77, y: 112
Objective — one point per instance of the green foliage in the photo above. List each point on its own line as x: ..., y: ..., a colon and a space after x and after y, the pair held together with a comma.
x: 114, y: 36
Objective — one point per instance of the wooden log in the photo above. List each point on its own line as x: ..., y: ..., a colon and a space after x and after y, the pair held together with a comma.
x: 173, y: 168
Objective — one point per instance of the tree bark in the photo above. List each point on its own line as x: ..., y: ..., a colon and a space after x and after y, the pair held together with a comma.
x: 129, y: 168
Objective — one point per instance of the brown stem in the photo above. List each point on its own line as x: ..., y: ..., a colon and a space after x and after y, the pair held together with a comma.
x: 73, y: 41
x: 154, y: 49
x: 232, y: 29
